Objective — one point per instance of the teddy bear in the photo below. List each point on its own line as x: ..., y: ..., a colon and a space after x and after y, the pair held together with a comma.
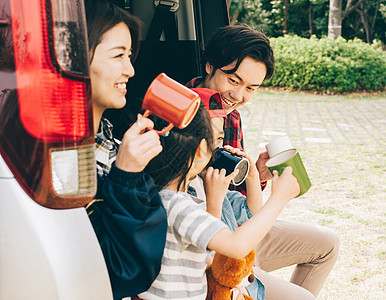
x: 225, y: 275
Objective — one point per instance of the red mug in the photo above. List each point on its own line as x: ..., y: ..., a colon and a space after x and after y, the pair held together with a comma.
x: 171, y: 101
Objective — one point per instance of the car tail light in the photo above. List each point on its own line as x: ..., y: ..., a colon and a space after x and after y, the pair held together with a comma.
x: 51, y: 100
x: 47, y: 132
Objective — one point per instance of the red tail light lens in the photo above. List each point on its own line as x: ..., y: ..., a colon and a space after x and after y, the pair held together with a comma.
x: 52, y: 102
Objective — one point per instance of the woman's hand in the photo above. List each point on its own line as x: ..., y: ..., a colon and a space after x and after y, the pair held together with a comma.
x: 285, y: 187
x: 139, y: 146
x: 216, y: 186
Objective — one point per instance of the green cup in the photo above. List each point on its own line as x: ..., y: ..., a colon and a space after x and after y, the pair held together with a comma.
x: 290, y: 158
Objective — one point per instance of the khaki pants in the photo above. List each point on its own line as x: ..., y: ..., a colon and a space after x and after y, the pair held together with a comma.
x: 313, y: 249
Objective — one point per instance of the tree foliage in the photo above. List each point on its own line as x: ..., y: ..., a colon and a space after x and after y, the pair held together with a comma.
x: 364, y: 19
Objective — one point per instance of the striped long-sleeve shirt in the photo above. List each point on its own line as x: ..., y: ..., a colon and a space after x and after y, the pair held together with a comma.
x: 190, y: 228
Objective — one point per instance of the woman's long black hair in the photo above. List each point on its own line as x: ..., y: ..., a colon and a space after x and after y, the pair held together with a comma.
x: 101, y: 16
x: 179, y: 149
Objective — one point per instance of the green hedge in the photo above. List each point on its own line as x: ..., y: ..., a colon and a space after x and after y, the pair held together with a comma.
x: 327, y: 65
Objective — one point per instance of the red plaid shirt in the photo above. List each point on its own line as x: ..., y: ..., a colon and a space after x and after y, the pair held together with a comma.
x: 233, y: 133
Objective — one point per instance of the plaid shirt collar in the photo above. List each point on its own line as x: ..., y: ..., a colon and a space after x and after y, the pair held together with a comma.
x: 106, y: 148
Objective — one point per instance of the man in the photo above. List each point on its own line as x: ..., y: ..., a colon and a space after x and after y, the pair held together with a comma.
x: 237, y: 59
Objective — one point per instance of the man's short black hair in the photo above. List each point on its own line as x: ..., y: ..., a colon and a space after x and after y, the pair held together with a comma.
x: 236, y: 42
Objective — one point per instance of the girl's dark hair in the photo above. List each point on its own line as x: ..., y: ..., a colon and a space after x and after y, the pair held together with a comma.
x: 101, y: 16
x: 236, y: 42
x: 179, y: 149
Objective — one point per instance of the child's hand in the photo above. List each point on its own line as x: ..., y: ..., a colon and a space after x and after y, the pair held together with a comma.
x: 138, y: 146
x: 209, y: 261
x: 285, y: 187
x: 252, y: 174
x: 216, y: 186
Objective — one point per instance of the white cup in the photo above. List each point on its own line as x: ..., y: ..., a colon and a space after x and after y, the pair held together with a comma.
x: 278, y: 145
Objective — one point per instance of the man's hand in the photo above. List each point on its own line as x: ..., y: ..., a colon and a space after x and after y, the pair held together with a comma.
x: 138, y: 146
x: 261, y: 168
x: 253, y: 173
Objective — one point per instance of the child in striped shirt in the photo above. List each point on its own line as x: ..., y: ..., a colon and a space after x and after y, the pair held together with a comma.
x: 193, y: 232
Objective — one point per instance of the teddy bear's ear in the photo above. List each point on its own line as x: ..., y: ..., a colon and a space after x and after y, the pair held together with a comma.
x: 251, y: 255
x: 250, y: 259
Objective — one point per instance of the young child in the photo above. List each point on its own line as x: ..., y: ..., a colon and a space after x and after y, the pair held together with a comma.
x: 192, y: 231
x: 235, y: 209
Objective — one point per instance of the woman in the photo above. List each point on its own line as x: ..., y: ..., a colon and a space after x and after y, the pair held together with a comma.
x: 127, y: 212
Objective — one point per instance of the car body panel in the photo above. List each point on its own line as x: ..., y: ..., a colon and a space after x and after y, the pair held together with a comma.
x: 47, y: 253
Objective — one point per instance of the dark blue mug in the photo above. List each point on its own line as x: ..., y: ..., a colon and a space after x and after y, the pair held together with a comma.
x: 223, y: 159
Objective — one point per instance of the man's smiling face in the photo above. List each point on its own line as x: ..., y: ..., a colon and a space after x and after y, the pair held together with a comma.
x: 236, y: 88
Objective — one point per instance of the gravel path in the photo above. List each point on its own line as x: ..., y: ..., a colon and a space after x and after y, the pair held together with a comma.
x: 342, y: 140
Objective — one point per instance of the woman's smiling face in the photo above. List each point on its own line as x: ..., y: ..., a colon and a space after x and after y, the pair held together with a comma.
x: 111, y: 68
